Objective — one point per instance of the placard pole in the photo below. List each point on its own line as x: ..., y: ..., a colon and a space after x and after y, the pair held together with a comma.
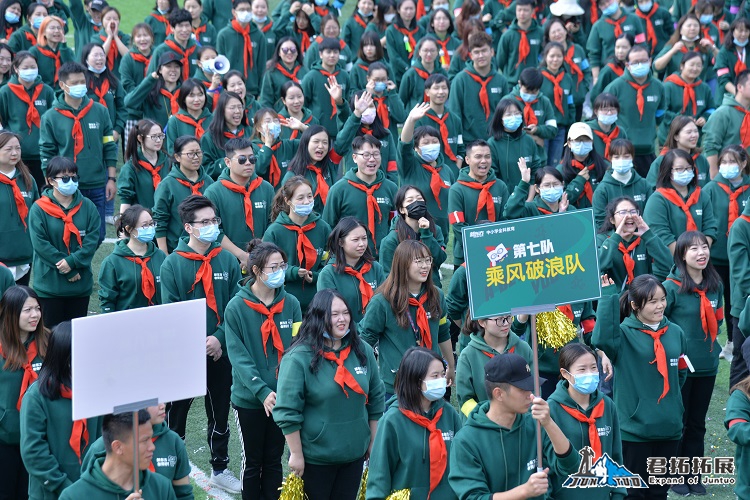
x: 135, y: 408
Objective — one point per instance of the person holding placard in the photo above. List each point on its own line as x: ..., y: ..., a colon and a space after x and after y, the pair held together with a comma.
x: 23, y: 345
x: 52, y: 443
x: 199, y: 268
x: 262, y: 305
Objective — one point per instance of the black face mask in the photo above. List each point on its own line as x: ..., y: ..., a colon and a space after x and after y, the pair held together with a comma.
x: 416, y: 210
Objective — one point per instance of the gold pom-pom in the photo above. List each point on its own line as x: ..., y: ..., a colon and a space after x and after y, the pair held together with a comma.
x: 292, y: 488
x: 404, y: 494
x: 363, y: 485
x: 554, y: 329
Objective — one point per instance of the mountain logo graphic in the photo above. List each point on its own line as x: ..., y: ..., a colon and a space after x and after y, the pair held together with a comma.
x: 602, y: 473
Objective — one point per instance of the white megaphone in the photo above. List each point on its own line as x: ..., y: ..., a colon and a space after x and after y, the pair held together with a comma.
x: 219, y: 65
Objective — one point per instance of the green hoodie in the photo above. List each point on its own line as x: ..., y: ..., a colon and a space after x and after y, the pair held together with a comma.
x: 345, y: 199
x: 135, y: 184
x: 232, y: 44
x: 348, y: 285
x: 282, y: 150
x: 395, y: 47
x: 608, y: 427
x: 518, y: 208
x: 674, y: 105
x: 487, y: 458
x: 47, y: 70
x: 95, y: 485
x: 286, y: 239
x: 84, y: 26
x: 601, y: 40
x: 651, y: 256
x: 163, y: 48
x: 463, y: 203
x: 47, y: 239
x: 412, y: 89
x: 316, y: 406
x: 99, y: 148
x: 46, y: 426
x: 10, y: 388
x: 610, y: 188
x: 317, y: 97
x: 168, y: 196
x: 113, y: 100
x: 645, y: 414
x: 545, y: 114
x: 15, y: 245
x: 120, y: 285
x: 13, y: 110
x: 470, y: 368
x: 720, y: 203
x: 457, y: 301
x: 738, y: 408
x: 178, y: 284
x: 455, y: 134
x: 7, y: 279
x: 400, y: 457
x: 435, y: 244
x: 273, y: 80
x: 701, y: 165
x: 684, y: 309
x: 255, y: 363
x: 641, y: 128
x: 312, y: 54
x: 214, y: 154
x: 566, y: 115
x: 22, y: 39
x: 739, y: 264
x: 177, y: 128
x: 462, y: 100
x: 507, y: 57
x: 353, y: 127
x: 328, y: 169
x: 139, y: 104
x: 723, y: 126
x: 132, y: 72
x: 599, y: 145
x: 380, y: 326
x: 505, y: 154
x: 668, y: 220
x: 230, y: 206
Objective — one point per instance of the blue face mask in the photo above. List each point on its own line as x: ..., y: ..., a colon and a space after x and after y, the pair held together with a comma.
x: 303, y: 209
x: 28, y: 75
x: 607, y: 119
x: 435, y: 388
x: 512, y: 123
x: 77, y: 91
x: 208, y: 234
x: 275, y: 279
x: 581, y: 148
x: 639, y: 70
x: 146, y: 234
x: 37, y: 22
x: 274, y: 129
x: 586, y: 383
x: 260, y: 19
x: 740, y: 44
x: 429, y: 152
x: 321, y: 3
x: 95, y: 23
x: 67, y: 188
x: 611, y: 10
x: 683, y: 178
x: 97, y: 71
x: 244, y: 16
x: 645, y: 7
x: 706, y: 18
x: 162, y: 11
x: 380, y: 87
x: 328, y: 336
x: 729, y: 171
x: 359, y: 11
x: 528, y: 97
x: 551, y: 195
x: 11, y: 18
x: 622, y: 166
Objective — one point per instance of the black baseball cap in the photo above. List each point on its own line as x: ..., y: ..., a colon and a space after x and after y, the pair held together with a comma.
x: 169, y: 57
x: 99, y: 5
x: 510, y: 369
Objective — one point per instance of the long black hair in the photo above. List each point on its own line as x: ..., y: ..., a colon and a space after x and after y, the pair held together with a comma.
x: 298, y: 164
x: 569, y: 173
x: 4, y: 25
x: 345, y: 226
x: 711, y: 279
x: 496, y: 128
x: 154, y: 97
x: 640, y: 291
x: 139, y: 131
x: 664, y: 179
x: 91, y: 77
x: 56, y: 369
x: 411, y: 371
x: 276, y: 58
x: 404, y: 230
x: 216, y: 128
x: 607, y: 225
x: 377, y: 128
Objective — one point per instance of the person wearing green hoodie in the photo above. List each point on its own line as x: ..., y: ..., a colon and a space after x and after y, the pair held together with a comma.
x: 325, y: 86
x: 156, y: 96
x: 604, y: 127
x: 50, y: 50
x: 426, y: 64
x: 521, y: 44
x: 631, y: 329
x: 180, y: 42
x: 480, y: 468
x: 169, y: 458
x: 477, y: 195
x: 128, y: 276
x: 87, y: 21
x: 242, y: 199
x: 52, y: 443
x: 549, y: 197
x: 194, y: 115
x: 329, y: 400
x: 26, y: 37
x: 613, y: 22
x: 195, y: 257
x: 230, y: 121
x: 363, y: 192
x: 510, y: 144
x: 274, y: 153
x: 111, y: 475
x: 145, y: 165
x: 724, y: 126
x: 415, y: 433
x: 244, y: 44
x: 401, y: 38
x: 261, y: 305
x: 737, y: 422
x: 695, y: 301
x: 739, y: 278
x: 134, y: 64
x: 586, y: 416
x: 64, y: 230
x: 285, y: 65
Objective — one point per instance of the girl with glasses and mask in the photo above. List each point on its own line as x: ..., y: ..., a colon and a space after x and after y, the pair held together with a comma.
x: 63, y: 249
x: 549, y: 197
x: 146, y: 165
x: 302, y: 234
x: 581, y: 166
x: 684, y: 134
x: 274, y: 154
x: 129, y: 277
x: 261, y: 305
x: 285, y: 65
x: 412, y: 446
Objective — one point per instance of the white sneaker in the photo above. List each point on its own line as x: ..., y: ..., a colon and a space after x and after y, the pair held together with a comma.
x: 726, y: 352
x: 110, y: 219
x: 226, y: 481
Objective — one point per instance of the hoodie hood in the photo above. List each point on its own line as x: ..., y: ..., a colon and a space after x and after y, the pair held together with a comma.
x: 729, y: 100
x: 608, y: 179
x: 95, y: 476
x: 284, y: 219
x: 463, y: 175
x: 177, y: 174
x: 351, y: 175
x: 562, y: 396
x: 61, y: 104
x: 160, y: 429
x: 121, y: 249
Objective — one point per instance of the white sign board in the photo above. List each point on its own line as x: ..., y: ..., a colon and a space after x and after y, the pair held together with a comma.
x: 127, y: 357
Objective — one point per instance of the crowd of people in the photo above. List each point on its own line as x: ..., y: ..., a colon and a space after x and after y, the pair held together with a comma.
x: 306, y: 173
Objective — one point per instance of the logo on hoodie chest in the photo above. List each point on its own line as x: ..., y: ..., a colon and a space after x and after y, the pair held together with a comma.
x: 285, y: 324
x: 168, y: 461
x: 447, y: 435
x: 360, y: 370
x: 224, y: 275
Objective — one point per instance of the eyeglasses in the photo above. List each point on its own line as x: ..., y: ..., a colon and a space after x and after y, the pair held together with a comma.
x: 502, y: 320
x: 367, y: 156
x: 283, y: 266
x: 207, y: 222
x: 426, y: 261
x: 289, y: 50
x: 623, y: 213
x: 234, y: 109
x: 156, y: 137
x: 608, y: 111
x: 242, y: 159
x: 67, y: 178
x: 428, y: 51
x: 681, y: 170
x: 149, y: 224
x: 193, y: 154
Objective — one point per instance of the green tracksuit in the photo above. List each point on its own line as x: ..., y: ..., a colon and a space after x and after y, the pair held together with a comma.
x: 132, y: 72
x: 348, y: 285
x: 601, y: 40
x: 738, y: 408
x: 273, y: 80
x: 684, y: 309
x: 599, y: 145
x: 739, y: 265
x: 15, y: 245
x: 47, y: 70
x: 99, y: 148
x: 353, y: 127
x: 463, y: 100
x: 22, y: 39
x: 213, y: 154
x: 316, y: 406
x: 608, y: 427
x: 701, y: 164
x: 638, y: 387
x: 46, y: 426
x: 435, y: 244
x: 675, y: 104
x: 120, y: 285
x: 505, y: 154
x: 395, y: 46
x: 206, y: 33
x: 318, y: 99
x: 610, y: 188
x: 566, y: 114
x: 282, y: 150
x: 13, y: 112
x: 401, y: 458
x: 411, y: 90
x: 286, y: 239
x: 641, y: 129
x: 455, y: 134
x: 167, y: 198
x: 328, y: 169
x: 219, y: 12
x: 10, y: 389
x: 139, y: 105
x: 464, y: 202
x: 95, y: 485
x: 510, y: 452
x: 161, y: 49
x: 457, y: 300
x: 353, y: 30
x: 546, y: 127
x: 723, y: 127
x: 177, y: 128
x: 651, y: 256
x: 720, y: 203
x: 230, y: 43
x: 312, y: 54
x: 345, y: 199
x: 47, y: 239
x: 178, y: 284
x: 413, y: 170
x: 380, y: 326
x: 255, y: 363
x: 470, y: 367
x: 668, y: 220
x: 518, y: 208
x: 135, y: 184
x: 507, y: 55
x: 83, y: 24
x: 114, y: 101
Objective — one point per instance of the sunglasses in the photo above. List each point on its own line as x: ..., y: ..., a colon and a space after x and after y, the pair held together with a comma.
x: 67, y: 178
x: 289, y: 50
x: 242, y: 159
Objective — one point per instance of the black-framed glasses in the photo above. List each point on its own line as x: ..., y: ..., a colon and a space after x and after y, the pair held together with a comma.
x: 283, y: 266
x: 193, y: 154
x: 242, y: 159
x: 206, y: 222
x: 67, y: 178
x: 368, y: 155
x: 502, y: 320
x: 623, y: 213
